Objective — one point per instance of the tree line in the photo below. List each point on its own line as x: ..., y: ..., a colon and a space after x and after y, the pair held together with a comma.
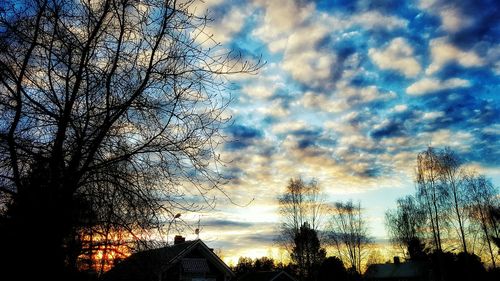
x: 454, y: 210
x: 309, y: 224
x: 452, y: 217
x: 330, y: 267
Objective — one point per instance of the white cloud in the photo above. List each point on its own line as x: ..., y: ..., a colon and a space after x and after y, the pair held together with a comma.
x: 430, y: 85
x: 457, y: 140
x: 452, y: 19
x: 397, y: 56
x: 284, y: 15
x: 493, y: 56
x: 443, y: 52
x: 292, y: 28
x: 432, y: 115
x: 374, y: 19
x: 346, y: 98
x: 355, y: 95
x: 357, y: 140
x: 400, y: 108
x: 288, y: 126
x: 493, y: 129
x: 371, y: 93
x: 258, y: 91
x: 202, y: 7
x: 370, y: 20
x: 280, y: 19
x: 264, y: 85
x: 229, y: 25
x: 426, y: 4
x: 273, y: 109
x: 297, y: 29
x: 303, y: 60
x: 223, y: 29
x: 322, y: 102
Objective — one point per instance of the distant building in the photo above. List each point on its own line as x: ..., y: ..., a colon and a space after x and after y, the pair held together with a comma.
x: 267, y: 276
x: 398, y: 271
x: 183, y: 261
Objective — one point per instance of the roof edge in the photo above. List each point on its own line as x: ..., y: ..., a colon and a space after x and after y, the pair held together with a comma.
x: 216, y: 258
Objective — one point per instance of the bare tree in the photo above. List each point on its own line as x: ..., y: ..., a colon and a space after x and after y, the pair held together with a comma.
x: 451, y: 180
x: 349, y: 233
x: 110, y: 117
x: 429, y: 191
x: 301, y: 203
x: 481, y: 198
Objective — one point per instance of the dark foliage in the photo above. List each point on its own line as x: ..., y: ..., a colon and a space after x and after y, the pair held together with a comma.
x: 448, y: 266
x: 417, y: 250
x: 246, y: 264
x: 495, y: 219
x: 332, y: 267
x: 405, y: 225
x: 307, y: 253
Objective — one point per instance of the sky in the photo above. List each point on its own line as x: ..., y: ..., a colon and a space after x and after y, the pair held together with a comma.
x: 351, y: 91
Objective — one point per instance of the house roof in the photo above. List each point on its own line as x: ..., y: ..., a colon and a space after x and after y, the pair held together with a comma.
x: 401, y: 270
x: 266, y: 276
x: 166, y: 254
x: 145, y: 264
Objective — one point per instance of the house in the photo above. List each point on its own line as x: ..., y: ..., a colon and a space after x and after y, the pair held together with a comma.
x: 267, y: 276
x: 183, y: 261
x: 398, y: 271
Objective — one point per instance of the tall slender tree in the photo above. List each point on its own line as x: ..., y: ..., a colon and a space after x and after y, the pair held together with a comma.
x: 429, y: 191
x: 481, y: 198
x: 349, y: 234
x: 453, y: 185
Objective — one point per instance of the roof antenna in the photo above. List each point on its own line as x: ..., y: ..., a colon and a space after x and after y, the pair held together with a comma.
x: 197, y: 230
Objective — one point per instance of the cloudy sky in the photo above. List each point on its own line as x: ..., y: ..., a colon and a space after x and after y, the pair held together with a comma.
x: 351, y: 92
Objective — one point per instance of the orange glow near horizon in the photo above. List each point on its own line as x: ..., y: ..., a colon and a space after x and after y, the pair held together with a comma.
x: 103, y: 257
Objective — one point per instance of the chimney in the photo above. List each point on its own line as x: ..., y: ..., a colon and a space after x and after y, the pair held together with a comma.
x: 396, y: 260
x: 178, y: 239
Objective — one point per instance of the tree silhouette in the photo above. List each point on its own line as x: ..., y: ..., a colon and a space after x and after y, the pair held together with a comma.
x: 264, y: 264
x: 450, y: 200
x: 307, y: 253
x: 481, y: 201
x: 430, y: 192
x: 495, y: 221
x: 110, y: 111
x: 349, y: 234
x: 406, y: 227
x: 332, y: 267
x: 452, y: 180
x: 300, y: 203
x: 462, y: 266
x: 246, y: 264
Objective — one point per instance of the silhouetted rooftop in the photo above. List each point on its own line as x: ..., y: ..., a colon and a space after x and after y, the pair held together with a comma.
x: 142, y: 264
x: 267, y: 276
x: 397, y: 271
